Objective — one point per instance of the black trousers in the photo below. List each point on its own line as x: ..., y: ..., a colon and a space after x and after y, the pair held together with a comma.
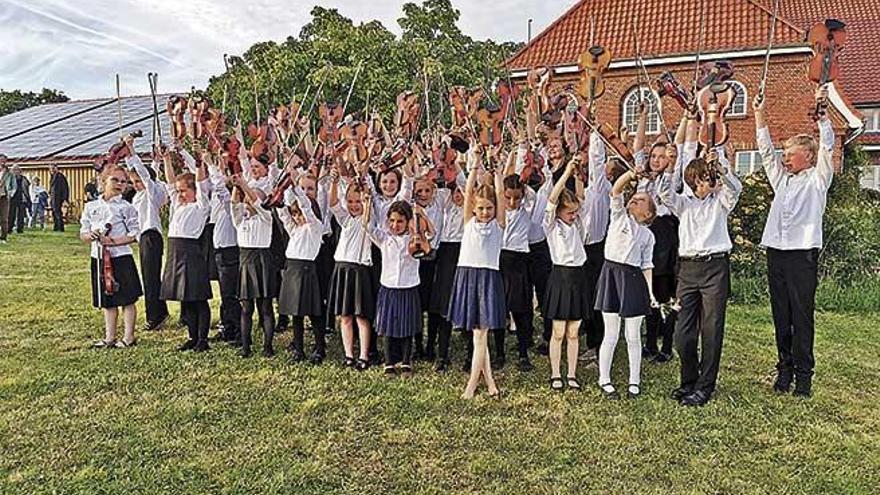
x: 703, y: 288
x: 540, y: 264
x: 443, y: 330
x: 593, y: 326
x: 57, y: 218
x: 151, y: 249
x: 656, y: 327
x: 793, y: 277
x: 197, y: 316
x: 16, y: 214
x: 228, y: 275
x: 267, y: 319
x: 426, y: 278
x: 298, y: 323
x: 398, y: 350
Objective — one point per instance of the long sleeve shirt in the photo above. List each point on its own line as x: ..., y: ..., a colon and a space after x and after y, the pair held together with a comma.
x: 148, y: 201
x: 118, y: 213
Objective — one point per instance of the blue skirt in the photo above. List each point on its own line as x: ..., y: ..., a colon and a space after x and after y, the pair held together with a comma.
x: 622, y: 290
x: 477, y: 299
x: 398, y: 312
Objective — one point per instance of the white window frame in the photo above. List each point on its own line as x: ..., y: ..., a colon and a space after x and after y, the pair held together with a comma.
x: 739, y: 89
x: 871, y: 177
x: 872, y: 120
x: 754, y: 162
x: 629, y: 110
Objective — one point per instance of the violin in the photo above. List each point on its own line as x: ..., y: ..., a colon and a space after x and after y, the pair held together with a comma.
x: 111, y: 286
x: 538, y: 81
x: 714, y: 102
x: 828, y: 39
x: 593, y: 64
x: 264, y: 140
x: 198, y: 108
x: 177, y: 106
x: 231, y: 150
x: 353, y: 134
x: 419, y: 247
x: 612, y: 140
x: 507, y: 94
x: 464, y: 104
x: 531, y: 174
x: 214, y: 123
x: 491, y: 122
x: 331, y: 115
x: 668, y: 85
x: 118, y: 152
x: 443, y: 157
x: 406, y: 118
x: 715, y: 72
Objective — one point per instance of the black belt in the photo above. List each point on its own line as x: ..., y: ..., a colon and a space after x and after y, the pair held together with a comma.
x: 705, y: 257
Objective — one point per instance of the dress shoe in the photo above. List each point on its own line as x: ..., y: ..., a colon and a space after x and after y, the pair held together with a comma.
x: 525, y: 365
x: 803, y: 386
x: 297, y: 356
x: 201, y: 346
x: 442, y: 366
x: 662, y: 357
x: 498, y: 363
x: 695, y: 398
x: 187, y: 346
x: 782, y: 384
x: 680, y: 393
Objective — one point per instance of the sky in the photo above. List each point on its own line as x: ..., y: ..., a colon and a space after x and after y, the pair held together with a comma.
x: 78, y: 46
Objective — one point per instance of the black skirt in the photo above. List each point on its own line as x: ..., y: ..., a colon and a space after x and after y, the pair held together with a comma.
x: 351, y: 291
x: 398, y: 312
x: 258, y: 276
x: 185, y: 277
x: 623, y: 290
x: 126, y: 275
x: 300, y: 290
x: 566, y: 298
x: 444, y: 274
x: 515, y: 274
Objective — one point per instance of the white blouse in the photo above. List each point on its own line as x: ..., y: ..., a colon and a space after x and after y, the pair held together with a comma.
x: 150, y: 200
x: 118, y: 213
x: 188, y: 219
x: 354, y: 242
x: 225, y: 234
x: 628, y: 241
x: 254, y: 229
x: 399, y: 269
x: 481, y: 244
x: 305, y: 240
x: 566, y: 242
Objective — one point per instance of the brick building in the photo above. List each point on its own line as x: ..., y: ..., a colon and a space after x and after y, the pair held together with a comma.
x: 736, y: 30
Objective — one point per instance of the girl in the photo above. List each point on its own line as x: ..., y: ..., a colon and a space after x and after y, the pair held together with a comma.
x: 398, y: 312
x: 351, y: 286
x: 185, y: 277
x: 624, y: 289
x: 40, y: 198
x: 477, y: 300
x: 258, y: 277
x: 567, y: 301
x: 300, y: 289
x: 111, y: 223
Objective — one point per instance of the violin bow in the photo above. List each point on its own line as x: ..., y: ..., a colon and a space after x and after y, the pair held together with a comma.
x: 427, y: 96
x: 593, y: 127
x: 119, y: 105
x: 771, y: 37
x: 643, y: 79
x: 357, y: 73
x: 699, y: 46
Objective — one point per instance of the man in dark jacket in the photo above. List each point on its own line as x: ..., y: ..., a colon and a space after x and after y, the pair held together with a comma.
x: 19, y: 200
x: 59, y: 193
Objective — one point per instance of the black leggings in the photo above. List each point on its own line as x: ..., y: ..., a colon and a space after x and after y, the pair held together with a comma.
x: 267, y: 318
x: 197, y: 317
x: 398, y: 350
x: 298, y: 323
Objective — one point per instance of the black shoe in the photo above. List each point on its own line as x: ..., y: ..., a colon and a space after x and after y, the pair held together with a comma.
x: 390, y: 371
x: 153, y: 326
x: 662, y: 357
x: 268, y: 351
x: 696, y: 398
x: 498, y: 363
x: 348, y: 362
x: 187, y: 346
x: 362, y: 365
x: 442, y: 366
x: 681, y: 393
x: 782, y: 385
x: 282, y: 324
x: 803, y: 386
x: 297, y: 356
x: 543, y: 349
x: 201, y: 346
x: 245, y: 351
x: 374, y: 359
x: 649, y: 354
x: 316, y: 359
x: 609, y: 391
x: 525, y: 365
x: 418, y: 354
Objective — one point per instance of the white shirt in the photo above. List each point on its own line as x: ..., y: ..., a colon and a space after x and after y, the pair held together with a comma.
x: 381, y: 204
x: 148, y: 201
x: 225, y: 234
x: 795, y: 218
x: 702, y: 226
x: 117, y: 212
x: 188, y: 219
x: 649, y: 186
x: 354, y: 243
x: 264, y: 183
x: 628, y: 242
x: 516, y: 228
x: 481, y: 244
x: 436, y: 210
x: 305, y: 239
x: 254, y: 229
x: 536, y: 229
x: 597, y: 193
x: 566, y: 242
x: 399, y: 269
x: 452, y: 229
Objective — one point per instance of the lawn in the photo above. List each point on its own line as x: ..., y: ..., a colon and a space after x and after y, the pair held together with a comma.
x: 151, y: 420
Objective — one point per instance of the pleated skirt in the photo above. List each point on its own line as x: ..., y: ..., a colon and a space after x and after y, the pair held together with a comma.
x: 126, y: 275
x: 444, y: 274
x: 567, y: 298
x: 351, y: 291
x: 300, y: 293
x: 258, y: 275
x: 515, y: 275
x: 398, y: 312
x: 622, y: 289
x: 477, y: 299
x: 185, y: 276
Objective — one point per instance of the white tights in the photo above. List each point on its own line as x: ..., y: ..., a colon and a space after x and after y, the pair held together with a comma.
x: 633, y: 328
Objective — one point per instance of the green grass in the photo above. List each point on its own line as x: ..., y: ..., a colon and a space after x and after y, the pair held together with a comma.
x: 150, y: 420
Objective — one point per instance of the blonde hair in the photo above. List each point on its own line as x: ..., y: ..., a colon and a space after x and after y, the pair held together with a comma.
x: 567, y: 199
x: 806, y: 142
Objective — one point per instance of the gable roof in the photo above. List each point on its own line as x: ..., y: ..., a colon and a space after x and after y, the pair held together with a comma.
x: 666, y: 27
x: 88, y: 127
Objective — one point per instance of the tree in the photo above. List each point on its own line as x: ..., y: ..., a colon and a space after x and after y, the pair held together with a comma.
x: 13, y: 101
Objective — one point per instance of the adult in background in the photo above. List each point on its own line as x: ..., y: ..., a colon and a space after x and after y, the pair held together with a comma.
x: 40, y: 201
x: 59, y: 193
x: 7, y: 189
x: 91, y: 189
x: 19, y: 200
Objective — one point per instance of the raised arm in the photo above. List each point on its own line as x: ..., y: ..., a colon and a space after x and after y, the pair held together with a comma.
x: 641, y: 129
x: 500, y: 215
x: 473, y: 163
x: 622, y: 182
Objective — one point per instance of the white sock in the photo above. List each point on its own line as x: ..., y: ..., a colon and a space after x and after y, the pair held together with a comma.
x: 633, y: 328
x: 609, y: 342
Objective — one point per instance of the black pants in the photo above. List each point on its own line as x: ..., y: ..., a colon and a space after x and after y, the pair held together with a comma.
x: 267, y: 320
x: 656, y: 326
x: 444, y: 334
x: 703, y: 287
x: 593, y: 325
x: 197, y: 316
x: 16, y: 214
x: 540, y: 264
x: 151, y: 249
x: 298, y: 323
x: 426, y: 277
x: 398, y: 350
x: 57, y: 218
x: 228, y: 275
x: 793, y: 277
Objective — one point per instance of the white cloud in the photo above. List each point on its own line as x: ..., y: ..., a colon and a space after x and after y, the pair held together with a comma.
x: 79, y: 45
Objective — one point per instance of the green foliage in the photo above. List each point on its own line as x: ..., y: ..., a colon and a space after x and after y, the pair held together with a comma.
x: 331, y: 47
x: 16, y: 100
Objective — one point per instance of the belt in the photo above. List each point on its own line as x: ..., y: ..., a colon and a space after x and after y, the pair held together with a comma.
x: 703, y: 258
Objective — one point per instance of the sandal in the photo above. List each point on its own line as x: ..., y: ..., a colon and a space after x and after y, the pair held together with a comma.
x: 348, y: 362
x: 121, y: 344
x: 557, y: 380
x: 609, y: 391
x: 637, y: 393
x: 406, y: 370
x: 103, y: 344
x: 362, y: 365
x: 573, y: 383
x: 390, y: 371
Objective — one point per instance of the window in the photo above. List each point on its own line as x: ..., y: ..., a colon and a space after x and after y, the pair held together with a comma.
x: 631, y: 111
x: 871, y: 177
x: 740, y: 102
x: 746, y: 162
x: 872, y: 119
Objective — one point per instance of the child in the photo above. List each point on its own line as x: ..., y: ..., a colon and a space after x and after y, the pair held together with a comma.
x: 793, y: 238
x: 185, y: 277
x: 351, y: 286
x: 625, y: 282
x: 40, y: 199
x: 566, y: 302
x: 258, y: 277
x: 111, y: 223
x: 226, y: 254
x: 477, y: 300
x: 300, y: 289
x: 704, y: 268
x: 398, y: 310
